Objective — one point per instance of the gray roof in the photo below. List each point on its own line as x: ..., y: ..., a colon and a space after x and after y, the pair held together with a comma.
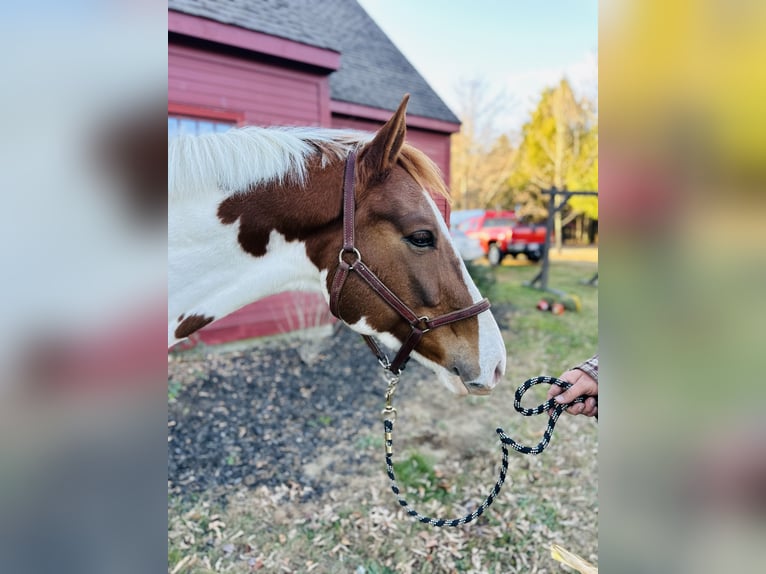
x: 373, y: 72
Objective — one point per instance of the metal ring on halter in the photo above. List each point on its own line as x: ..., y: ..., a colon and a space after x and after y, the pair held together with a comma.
x: 385, y: 363
x: 353, y: 250
x: 423, y: 321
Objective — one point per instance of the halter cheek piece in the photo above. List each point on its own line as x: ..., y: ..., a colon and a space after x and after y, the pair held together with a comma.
x: 349, y: 259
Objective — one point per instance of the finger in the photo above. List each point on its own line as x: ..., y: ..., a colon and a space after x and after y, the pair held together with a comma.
x: 590, y: 407
x: 553, y: 391
x: 571, y: 377
x: 568, y: 396
x: 576, y: 409
x: 582, y: 388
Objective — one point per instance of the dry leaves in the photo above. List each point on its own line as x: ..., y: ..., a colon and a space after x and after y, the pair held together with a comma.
x: 345, y: 519
x: 571, y: 559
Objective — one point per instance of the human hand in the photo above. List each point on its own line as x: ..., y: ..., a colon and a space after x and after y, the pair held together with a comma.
x: 582, y: 384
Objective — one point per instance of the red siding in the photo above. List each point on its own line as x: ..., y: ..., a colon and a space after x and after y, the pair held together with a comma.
x: 349, y: 110
x: 263, y: 93
x: 271, y: 316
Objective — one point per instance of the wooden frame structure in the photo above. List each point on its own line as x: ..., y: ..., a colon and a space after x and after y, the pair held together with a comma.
x: 540, y: 281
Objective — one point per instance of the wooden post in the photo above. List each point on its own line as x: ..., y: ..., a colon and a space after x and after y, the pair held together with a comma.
x: 540, y: 281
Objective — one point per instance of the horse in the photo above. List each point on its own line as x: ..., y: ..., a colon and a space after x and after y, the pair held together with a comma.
x: 260, y: 210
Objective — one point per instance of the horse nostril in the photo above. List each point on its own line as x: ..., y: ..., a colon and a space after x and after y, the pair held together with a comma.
x: 455, y: 371
x: 478, y: 389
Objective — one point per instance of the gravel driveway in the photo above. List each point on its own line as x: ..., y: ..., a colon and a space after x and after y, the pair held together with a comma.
x: 262, y: 416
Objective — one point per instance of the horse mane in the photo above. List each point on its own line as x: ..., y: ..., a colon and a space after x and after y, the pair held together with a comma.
x: 235, y: 160
x: 423, y: 170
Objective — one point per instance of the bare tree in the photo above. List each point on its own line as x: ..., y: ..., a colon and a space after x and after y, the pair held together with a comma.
x: 481, y: 155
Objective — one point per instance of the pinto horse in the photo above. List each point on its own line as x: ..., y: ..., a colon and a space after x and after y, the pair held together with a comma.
x: 257, y: 211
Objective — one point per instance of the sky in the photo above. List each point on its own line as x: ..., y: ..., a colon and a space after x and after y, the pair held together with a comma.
x: 518, y: 47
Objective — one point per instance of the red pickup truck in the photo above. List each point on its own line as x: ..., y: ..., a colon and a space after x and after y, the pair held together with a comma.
x: 500, y: 234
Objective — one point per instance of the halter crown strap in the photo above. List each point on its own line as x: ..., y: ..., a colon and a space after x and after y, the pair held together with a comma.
x: 418, y: 325
x: 349, y: 208
x: 349, y: 202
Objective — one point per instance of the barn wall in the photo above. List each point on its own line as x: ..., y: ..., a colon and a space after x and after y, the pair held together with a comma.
x: 265, y: 94
x: 273, y: 315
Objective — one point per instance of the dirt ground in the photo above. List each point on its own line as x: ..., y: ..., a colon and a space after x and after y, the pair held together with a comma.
x: 275, y: 463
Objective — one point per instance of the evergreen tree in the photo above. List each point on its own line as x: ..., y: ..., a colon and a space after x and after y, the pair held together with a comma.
x: 559, y: 148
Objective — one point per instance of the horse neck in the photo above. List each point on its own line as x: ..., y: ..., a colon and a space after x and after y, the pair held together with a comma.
x: 211, y: 274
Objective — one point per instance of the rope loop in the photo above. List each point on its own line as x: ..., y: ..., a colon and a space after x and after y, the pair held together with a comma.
x: 388, y: 426
x: 549, y: 405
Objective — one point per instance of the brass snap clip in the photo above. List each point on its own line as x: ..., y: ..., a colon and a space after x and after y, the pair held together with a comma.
x: 389, y: 412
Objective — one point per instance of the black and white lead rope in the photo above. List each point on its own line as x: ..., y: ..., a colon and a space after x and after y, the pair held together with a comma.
x: 549, y: 405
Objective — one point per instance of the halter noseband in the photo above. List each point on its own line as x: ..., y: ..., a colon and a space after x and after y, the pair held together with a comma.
x: 419, y: 325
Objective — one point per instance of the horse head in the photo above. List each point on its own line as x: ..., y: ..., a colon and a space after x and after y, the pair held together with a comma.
x: 401, y: 236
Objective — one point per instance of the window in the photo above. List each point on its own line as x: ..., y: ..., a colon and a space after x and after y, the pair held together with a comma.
x: 179, y: 125
x: 469, y: 225
x: 498, y: 222
x: 184, y: 119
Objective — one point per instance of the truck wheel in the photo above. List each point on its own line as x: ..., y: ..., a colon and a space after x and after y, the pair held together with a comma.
x: 494, y: 255
x: 534, y: 256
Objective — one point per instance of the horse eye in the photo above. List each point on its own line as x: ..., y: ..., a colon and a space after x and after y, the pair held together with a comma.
x: 421, y: 239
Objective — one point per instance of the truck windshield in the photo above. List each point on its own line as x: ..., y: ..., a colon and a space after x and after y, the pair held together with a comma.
x: 498, y: 222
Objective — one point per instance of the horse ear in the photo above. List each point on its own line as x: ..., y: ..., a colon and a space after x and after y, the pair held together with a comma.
x: 379, y: 156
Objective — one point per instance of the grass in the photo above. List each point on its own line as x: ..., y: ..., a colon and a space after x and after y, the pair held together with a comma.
x: 357, y: 526
x: 174, y: 387
x: 559, y: 341
x: 415, y: 472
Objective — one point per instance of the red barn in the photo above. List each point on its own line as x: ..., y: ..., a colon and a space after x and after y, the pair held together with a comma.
x: 292, y: 62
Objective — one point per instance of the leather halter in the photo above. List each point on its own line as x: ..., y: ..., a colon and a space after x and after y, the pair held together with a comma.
x: 419, y: 325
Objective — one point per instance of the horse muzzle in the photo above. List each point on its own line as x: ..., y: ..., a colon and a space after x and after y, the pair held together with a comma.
x: 476, y: 384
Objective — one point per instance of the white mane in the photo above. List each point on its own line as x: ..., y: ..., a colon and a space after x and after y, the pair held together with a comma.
x: 235, y: 160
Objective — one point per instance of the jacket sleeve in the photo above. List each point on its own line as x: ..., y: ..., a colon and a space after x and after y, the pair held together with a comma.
x: 590, y: 367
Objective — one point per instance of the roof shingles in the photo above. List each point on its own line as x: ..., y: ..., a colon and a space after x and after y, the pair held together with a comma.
x: 373, y: 72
